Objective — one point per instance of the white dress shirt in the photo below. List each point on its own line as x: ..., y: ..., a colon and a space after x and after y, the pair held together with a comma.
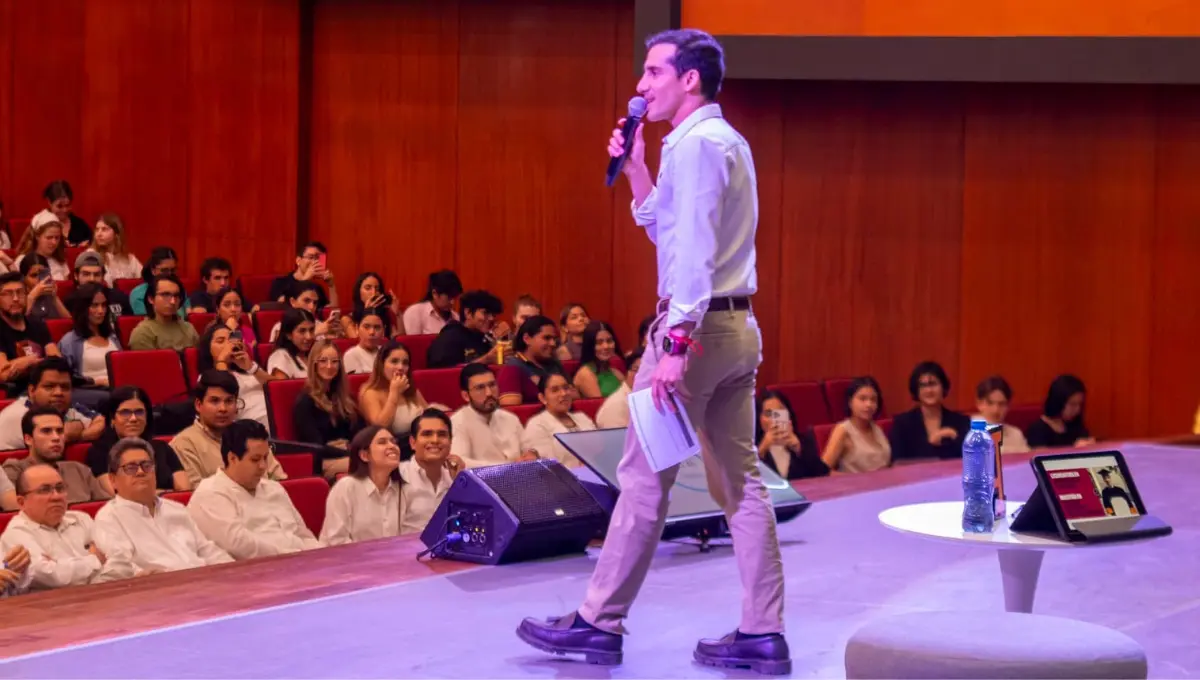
x: 702, y: 215
x: 358, y: 360
x: 58, y: 556
x: 286, y: 364
x: 540, y: 431
x: 419, y: 497
x: 614, y: 412
x: 168, y: 540
x: 356, y: 510
x: 480, y: 440
x: 248, y: 525
x: 423, y: 319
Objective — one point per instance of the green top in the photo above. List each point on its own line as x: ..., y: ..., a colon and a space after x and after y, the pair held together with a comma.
x: 608, y: 381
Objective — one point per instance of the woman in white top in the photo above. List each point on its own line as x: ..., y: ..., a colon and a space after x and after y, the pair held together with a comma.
x: 87, y: 345
x: 45, y: 237
x: 365, y: 504
x: 558, y: 396
x: 225, y: 350
x: 857, y: 444
x: 297, y: 331
x: 108, y: 239
x: 389, y: 398
x: 993, y: 397
x: 369, y: 329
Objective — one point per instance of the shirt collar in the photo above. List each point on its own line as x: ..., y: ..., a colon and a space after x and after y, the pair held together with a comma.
x: 373, y: 490
x: 68, y: 520
x: 694, y: 118
x: 134, y: 506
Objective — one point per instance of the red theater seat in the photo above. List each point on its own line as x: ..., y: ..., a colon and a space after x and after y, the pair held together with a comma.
x: 418, y: 347
x: 355, y: 382
x: 524, y: 411
x: 16, y: 454
x: 65, y: 288
x: 256, y: 288
x: 296, y: 465
x: 91, y: 507
x: 191, y: 362
x: 885, y: 424
x: 158, y: 371
x: 440, y: 386
x: 126, y: 286
x: 78, y: 452
x: 200, y: 320
x: 5, y: 518
x: 264, y: 321
x: 264, y: 351
x: 308, y: 495
x: 16, y: 229
x: 822, y: 434
x: 808, y: 401
x: 59, y: 328
x: 569, y: 367
x: 125, y: 326
x: 179, y: 496
x: 1021, y: 417
x: 344, y: 344
x: 281, y: 398
x: 589, y: 406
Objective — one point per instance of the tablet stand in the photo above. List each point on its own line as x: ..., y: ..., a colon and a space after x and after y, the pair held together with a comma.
x: 1036, y: 515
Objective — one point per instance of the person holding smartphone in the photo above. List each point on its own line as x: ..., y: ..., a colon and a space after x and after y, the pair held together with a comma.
x: 41, y: 299
x: 311, y: 265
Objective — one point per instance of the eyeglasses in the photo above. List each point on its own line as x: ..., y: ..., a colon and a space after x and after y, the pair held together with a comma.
x: 131, y: 469
x: 170, y: 296
x: 12, y: 293
x: 47, y: 489
x: 127, y: 413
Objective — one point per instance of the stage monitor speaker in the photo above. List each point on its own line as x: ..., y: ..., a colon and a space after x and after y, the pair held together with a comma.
x: 514, y: 512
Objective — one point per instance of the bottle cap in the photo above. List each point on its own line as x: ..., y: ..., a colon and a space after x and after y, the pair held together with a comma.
x: 979, y: 424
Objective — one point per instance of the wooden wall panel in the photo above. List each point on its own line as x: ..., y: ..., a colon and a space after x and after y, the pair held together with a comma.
x: 384, y: 181
x: 6, y: 100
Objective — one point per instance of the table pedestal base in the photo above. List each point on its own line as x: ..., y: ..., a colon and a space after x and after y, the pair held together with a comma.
x: 1019, y: 570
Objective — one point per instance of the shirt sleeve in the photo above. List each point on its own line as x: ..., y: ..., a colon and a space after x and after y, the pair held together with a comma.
x: 217, y: 518
x: 117, y: 546
x: 46, y: 570
x: 188, y: 457
x: 338, y: 515
x: 701, y: 175
x: 644, y: 214
x: 208, y: 551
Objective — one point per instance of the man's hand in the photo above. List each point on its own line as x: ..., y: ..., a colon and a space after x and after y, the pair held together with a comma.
x: 17, y: 559
x: 96, y: 551
x: 637, y: 154
x: 668, y: 378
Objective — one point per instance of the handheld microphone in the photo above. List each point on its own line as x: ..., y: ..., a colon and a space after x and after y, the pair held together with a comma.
x: 637, y: 109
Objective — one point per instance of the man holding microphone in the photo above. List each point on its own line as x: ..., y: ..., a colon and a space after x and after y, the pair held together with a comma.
x: 705, y: 346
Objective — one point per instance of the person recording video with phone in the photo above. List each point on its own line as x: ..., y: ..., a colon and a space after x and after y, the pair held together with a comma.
x: 41, y: 293
x: 370, y: 293
x: 225, y: 350
x: 779, y: 447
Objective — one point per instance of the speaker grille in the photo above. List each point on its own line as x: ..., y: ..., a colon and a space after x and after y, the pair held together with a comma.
x: 539, y: 491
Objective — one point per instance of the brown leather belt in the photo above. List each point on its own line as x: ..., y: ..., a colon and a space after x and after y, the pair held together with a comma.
x: 720, y: 304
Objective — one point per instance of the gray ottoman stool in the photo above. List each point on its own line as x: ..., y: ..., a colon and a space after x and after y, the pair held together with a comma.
x: 984, y: 644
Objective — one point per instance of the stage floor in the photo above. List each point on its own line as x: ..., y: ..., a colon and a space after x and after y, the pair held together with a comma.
x: 843, y: 569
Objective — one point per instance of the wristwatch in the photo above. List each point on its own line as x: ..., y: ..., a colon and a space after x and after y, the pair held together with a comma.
x: 675, y: 346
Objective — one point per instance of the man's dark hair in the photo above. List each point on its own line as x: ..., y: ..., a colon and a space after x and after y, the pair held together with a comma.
x: 991, y: 384
x: 298, y: 288
x: 124, y: 445
x: 37, y: 411
x: 550, y: 373
x: 634, y: 355
x: 445, y: 282
x: 11, y: 277
x: 1106, y: 473
x: 527, y: 300
x: 698, y: 51
x: 532, y: 326
x: 47, y: 365
x: 470, y: 371
x: 236, y: 437
x: 214, y: 379
x: 214, y: 264
x: 436, y: 414
x: 481, y: 300
x: 59, y: 188
x: 312, y: 244
x: 152, y: 291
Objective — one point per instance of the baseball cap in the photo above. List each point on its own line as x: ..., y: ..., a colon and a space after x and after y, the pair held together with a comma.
x: 88, y: 258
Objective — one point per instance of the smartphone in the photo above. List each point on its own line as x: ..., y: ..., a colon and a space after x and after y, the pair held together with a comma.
x: 333, y: 314
x: 46, y: 275
x: 235, y: 335
x: 323, y: 259
x: 385, y: 301
x: 780, y: 420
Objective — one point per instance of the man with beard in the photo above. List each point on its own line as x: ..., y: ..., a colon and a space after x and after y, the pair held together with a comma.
x: 23, y: 341
x: 487, y: 434
x: 42, y: 427
x: 428, y: 474
x: 89, y: 268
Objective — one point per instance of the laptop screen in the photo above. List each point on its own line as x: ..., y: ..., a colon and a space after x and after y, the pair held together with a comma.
x: 601, y: 450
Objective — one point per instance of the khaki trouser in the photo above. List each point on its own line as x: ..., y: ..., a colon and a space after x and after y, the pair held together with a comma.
x: 720, y: 385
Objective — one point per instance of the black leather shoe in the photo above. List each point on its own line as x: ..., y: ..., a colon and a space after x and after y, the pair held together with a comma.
x: 570, y: 634
x: 766, y: 654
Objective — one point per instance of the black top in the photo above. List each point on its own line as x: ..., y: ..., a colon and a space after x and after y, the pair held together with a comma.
x: 29, y: 342
x: 281, y: 286
x: 1111, y: 492
x: 201, y: 298
x: 455, y: 345
x: 1042, y: 436
x: 166, y: 463
x: 79, y: 233
x: 118, y: 304
x: 531, y: 375
x: 316, y: 426
x: 802, y: 465
x: 910, y: 440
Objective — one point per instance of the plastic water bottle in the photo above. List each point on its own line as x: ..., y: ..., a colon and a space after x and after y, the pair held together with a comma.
x: 979, y: 479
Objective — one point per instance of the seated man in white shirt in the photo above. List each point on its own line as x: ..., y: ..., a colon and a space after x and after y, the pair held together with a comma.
x: 614, y: 412
x: 138, y: 528
x: 49, y: 385
x: 486, y: 433
x: 60, y: 542
x: 241, y: 510
x: 428, y: 474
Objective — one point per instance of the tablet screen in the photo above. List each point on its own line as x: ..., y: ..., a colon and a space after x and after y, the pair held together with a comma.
x: 1090, y: 488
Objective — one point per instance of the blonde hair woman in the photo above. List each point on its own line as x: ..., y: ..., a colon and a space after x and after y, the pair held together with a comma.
x: 108, y: 240
x: 45, y: 237
x: 324, y: 413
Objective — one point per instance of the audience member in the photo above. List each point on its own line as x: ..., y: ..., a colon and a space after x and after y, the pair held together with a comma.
x: 470, y: 340
x: 1061, y: 424
x: 41, y: 293
x: 109, y: 242
x: 304, y: 295
x: 59, y: 198
x: 572, y: 322
x: 533, y: 356
x: 390, y: 398
x: 436, y: 309
x: 596, y: 376
x: 644, y: 331
x: 216, y: 275
x: 139, y: 530
x: 426, y: 477
x: 42, y: 428
x: 324, y: 413
x: 369, y: 329
x: 8, y: 494
x: 993, y: 396
x: 162, y: 328
x: 779, y: 448
x: 49, y: 386
x: 220, y: 349
x: 290, y: 358
x: 365, y: 504
x: 558, y: 417
x: 930, y: 429
x: 44, y: 237
x: 89, y: 268
x: 130, y: 414
x: 230, y: 315
x: 163, y: 262
x: 310, y: 266
x: 615, y: 410
x: 240, y: 509
x: 199, y: 445
x: 370, y: 298
x: 23, y: 341
x: 525, y: 307
x: 486, y: 433
x: 92, y: 337
x: 60, y: 542
x: 858, y: 444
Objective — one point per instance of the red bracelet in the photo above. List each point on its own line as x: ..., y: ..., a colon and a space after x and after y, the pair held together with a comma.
x: 693, y: 345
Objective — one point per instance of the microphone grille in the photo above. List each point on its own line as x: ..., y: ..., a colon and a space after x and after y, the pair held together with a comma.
x: 637, y: 107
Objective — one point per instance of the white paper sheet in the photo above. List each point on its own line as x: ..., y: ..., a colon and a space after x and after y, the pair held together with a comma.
x: 667, y: 437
